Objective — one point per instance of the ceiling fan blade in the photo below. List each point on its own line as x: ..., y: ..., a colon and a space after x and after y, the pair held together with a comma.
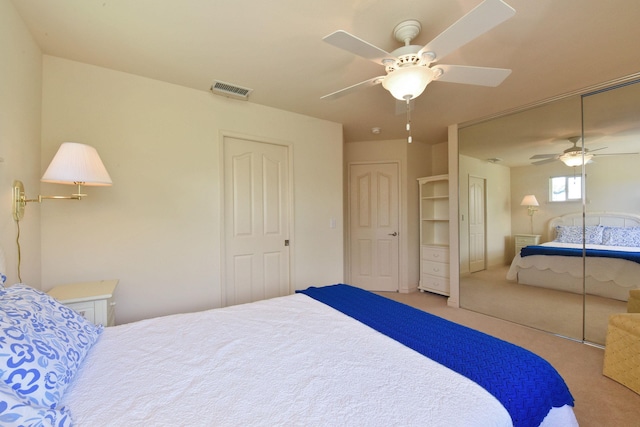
x: 614, y: 154
x: 543, y: 162
x: 483, y: 18
x: 594, y: 150
x: 357, y: 46
x: 347, y: 90
x: 542, y: 156
x: 481, y: 76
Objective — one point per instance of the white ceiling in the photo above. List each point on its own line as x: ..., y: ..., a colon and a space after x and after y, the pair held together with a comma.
x: 275, y: 47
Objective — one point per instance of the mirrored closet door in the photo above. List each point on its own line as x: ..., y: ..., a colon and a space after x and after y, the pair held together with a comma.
x: 525, y: 179
x: 611, y: 120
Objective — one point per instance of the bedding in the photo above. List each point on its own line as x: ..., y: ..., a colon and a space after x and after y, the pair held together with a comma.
x: 301, y: 360
x: 611, y: 269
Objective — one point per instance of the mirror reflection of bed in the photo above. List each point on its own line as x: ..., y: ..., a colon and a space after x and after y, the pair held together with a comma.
x: 544, y: 288
x: 487, y: 149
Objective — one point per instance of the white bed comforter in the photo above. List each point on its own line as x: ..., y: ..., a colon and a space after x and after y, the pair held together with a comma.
x: 624, y: 273
x: 285, y: 361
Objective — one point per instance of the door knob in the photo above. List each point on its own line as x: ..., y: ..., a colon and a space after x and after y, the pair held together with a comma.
x: 393, y: 234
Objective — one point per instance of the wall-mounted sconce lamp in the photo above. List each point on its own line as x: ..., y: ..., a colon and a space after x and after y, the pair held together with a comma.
x: 532, y: 204
x: 75, y: 164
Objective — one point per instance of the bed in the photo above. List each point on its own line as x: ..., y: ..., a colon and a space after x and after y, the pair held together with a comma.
x: 334, y: 355
x: 613, y: 256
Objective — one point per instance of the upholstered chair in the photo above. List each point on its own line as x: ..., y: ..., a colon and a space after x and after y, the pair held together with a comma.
x: 622, y: 351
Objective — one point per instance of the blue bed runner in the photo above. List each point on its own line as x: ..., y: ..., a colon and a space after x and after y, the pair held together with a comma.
x: 551, y: 250
x: 526, y: 385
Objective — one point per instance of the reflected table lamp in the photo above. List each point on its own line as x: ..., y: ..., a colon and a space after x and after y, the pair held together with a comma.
x: 532, y: 204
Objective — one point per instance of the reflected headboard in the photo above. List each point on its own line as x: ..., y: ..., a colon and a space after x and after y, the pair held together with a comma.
x: 610, y: 219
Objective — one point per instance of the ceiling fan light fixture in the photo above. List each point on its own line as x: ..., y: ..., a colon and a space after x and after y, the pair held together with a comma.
x: 574, y: 159
x: 407, y: 83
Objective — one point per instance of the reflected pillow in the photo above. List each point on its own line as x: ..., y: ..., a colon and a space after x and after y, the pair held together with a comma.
x: 18, y: 411
x: 621, y: 236
x: 573, y: 234
x: 42, y: 344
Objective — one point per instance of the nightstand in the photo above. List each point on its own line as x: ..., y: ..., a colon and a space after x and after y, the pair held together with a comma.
x: 522, y: 240
x: 93, y: 300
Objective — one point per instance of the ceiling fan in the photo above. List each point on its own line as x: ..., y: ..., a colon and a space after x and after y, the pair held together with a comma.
x: 409, y: 68
x: 572, y: 156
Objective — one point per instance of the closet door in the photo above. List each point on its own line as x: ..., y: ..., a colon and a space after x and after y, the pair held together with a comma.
x: 612, y: 183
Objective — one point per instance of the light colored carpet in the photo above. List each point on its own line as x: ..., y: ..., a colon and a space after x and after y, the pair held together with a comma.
x: 545, y: 309
x: 600, y: 401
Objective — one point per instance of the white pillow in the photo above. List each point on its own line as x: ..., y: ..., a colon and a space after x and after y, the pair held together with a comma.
x: 15, y: 410
x: 42, y: 344
x: 573, y: 234
x: 621, y: 236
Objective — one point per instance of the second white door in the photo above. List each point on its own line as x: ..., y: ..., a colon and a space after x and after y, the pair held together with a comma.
x: 477, y: 235
x: 374, y: 226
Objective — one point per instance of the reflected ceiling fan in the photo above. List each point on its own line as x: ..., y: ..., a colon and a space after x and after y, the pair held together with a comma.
x: 572, y: 156
x: 410, y: 68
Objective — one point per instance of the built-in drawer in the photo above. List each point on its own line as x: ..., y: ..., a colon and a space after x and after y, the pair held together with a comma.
x: 434, y: 253
x: 434, y: 283
x: 439, y: 269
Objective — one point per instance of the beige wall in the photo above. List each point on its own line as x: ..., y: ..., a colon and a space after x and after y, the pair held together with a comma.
x: 20, y: 99
x: 415, y: 160
x: 158, y: 228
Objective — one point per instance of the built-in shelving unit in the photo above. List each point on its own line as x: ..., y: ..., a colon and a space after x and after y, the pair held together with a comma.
x: 434, y: 234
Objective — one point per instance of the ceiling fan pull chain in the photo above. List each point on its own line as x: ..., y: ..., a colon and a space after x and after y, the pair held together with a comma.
x: 409, y: 139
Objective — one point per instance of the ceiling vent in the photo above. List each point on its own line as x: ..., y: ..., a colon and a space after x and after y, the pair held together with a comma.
x: 230, y: 90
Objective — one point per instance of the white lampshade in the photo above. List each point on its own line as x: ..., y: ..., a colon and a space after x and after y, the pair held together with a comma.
x: 77, y: 163
x: 575, y: 158
x: 529, y: 200
x: 408, y: 82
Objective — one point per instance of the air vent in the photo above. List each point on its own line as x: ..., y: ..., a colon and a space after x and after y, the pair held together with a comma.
x: 230, y: 90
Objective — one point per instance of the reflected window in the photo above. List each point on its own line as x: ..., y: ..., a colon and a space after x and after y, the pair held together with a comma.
x: 565, y: 188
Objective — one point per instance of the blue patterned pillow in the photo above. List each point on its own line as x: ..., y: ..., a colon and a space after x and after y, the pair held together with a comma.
x: 573, y: 234
x: 18, y: 411
x: 620, y: 236
x: 42, y: 344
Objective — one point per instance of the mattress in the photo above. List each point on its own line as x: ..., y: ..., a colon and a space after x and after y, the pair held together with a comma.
x: 285, y: 361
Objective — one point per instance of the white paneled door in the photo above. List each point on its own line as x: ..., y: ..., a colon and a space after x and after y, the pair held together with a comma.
x: 477, y: 226
x: 256, y: 220
x: 374, y: 226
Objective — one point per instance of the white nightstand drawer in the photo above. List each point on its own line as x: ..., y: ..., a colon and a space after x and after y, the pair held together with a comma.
x: 85, y: 309
x: 433, y: 253
x: 93, y: 300
x: 522, y: 240
x: 435, y: 268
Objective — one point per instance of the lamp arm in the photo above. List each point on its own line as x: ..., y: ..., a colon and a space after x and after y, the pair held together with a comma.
x: 20, y: 201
